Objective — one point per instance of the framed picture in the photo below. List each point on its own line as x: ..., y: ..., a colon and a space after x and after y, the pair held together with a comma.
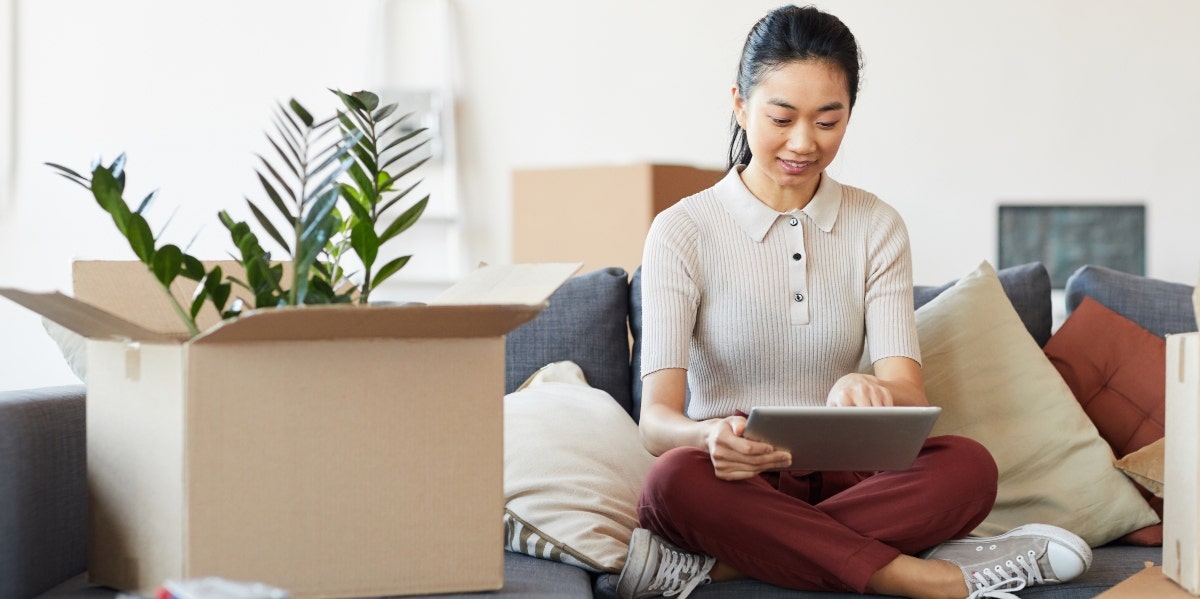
x: 1065, y: 237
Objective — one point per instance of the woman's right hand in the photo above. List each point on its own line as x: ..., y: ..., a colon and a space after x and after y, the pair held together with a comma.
x: 735, y: 457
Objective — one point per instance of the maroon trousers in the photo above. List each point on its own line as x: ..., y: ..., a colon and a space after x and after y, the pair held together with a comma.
x: 823, y: 530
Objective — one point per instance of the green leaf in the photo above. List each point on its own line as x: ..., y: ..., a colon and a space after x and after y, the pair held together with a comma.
x: 286, y: 160
x: 217, y: 289
x: 319, y: 291
x: 318, y: 216
x: 365, y: 243
x: 198, y: 302
x: 384, y: 112
x: 166, y: 263
x: 403, y: 138
x: 406, y: 153
x: 66, y: 171
x: 350, y: 102
x: 389, y: 269
x: 146, y: 202
x: 369, y: 100
x: 268, y: 226
x: 347, y: 124
x: 279, y: 179
x: 366, y: 160
x: 363, y: 181
x: 276, y: 199
x: 108, y: 194
x: 356, y: 206
x: 301, y: 112
x: 118, y: 166
x: 330, y: 181
x: 140, y: 238
x: 363, y: 124
x: 193, y: 268
x: 339, y: 154
x: 407, y: 170
x: 406, y: 220
x: 399, y: 197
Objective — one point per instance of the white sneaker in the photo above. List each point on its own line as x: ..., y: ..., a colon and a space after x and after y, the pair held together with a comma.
x: 655, y: 567
x: 1025, y: 556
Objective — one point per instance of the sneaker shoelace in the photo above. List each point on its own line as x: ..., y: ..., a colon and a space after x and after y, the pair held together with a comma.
x: 1013, y: 575
x: 680, y: 573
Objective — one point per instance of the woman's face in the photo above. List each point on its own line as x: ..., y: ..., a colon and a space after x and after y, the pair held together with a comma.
x: 795, y: 119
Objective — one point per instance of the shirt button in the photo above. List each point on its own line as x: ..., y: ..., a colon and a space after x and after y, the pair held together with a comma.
x: 796, y: 256
x: 793, y: 222
x: 799, y: 297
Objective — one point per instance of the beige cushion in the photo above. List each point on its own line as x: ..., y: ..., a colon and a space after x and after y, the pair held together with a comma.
x: 573, y: 467
x: 1145, y: 466
x: 996, y: 386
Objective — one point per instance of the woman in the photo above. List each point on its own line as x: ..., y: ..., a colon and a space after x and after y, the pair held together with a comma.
x: 765, y: 290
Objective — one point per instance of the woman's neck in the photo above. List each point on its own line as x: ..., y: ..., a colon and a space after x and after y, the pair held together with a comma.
x: 778, y: 197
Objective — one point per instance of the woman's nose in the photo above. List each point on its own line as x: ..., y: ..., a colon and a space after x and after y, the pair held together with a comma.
x: 801, y: 140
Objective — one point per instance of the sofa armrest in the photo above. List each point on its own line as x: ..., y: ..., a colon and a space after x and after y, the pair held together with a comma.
x: 43, y: 489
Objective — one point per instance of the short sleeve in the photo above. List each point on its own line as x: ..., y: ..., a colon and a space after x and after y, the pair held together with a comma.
x: 670, y: 290
x: 890, y: 321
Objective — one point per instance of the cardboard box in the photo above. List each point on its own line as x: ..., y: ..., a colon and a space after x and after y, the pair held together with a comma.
x: 1147, y: 584
x: 330, y: 451
x: 1181, y: 468
x: 596, y: 215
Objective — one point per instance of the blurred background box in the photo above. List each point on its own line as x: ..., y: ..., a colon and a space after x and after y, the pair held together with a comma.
x: 596, y: 215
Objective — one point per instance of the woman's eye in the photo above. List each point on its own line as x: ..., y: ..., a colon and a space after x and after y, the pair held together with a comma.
x: 780, y: 122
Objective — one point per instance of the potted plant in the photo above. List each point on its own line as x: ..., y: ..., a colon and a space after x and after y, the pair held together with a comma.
x: 331, y: 185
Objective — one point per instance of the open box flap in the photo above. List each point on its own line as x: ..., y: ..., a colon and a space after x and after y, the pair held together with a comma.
x: 489, y: 302
x: 524, y: 284
x: 310, y: 323
x: 84, y: 318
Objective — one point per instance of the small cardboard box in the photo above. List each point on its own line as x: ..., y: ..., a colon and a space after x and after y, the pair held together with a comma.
x: 330, y: 451
x: 1181, y: 468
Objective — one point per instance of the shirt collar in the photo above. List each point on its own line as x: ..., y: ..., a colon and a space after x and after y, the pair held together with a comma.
x: 756, y: 218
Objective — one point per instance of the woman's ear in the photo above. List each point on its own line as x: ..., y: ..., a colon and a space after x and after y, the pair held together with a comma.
x: 739, y: 107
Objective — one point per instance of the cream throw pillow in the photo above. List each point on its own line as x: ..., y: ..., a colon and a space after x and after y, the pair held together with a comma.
x: 573, y: 468
x: 996, y: 386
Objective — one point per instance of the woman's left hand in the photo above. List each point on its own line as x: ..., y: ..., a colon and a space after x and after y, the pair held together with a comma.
x: 856, y: 389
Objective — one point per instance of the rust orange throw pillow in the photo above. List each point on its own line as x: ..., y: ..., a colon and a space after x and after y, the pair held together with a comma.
x: 1115, y: 369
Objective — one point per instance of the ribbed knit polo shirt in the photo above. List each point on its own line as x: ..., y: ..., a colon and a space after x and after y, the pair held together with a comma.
x: 767, y: 308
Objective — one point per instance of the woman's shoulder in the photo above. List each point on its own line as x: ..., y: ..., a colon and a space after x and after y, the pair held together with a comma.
x: 867, y: 203
x: 689, y: 211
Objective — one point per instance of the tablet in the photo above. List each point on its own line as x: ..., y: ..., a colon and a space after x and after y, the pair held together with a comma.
x: 844, y: 438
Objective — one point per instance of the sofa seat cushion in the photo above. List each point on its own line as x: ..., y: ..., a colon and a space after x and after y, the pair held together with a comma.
x: 1110, y: 565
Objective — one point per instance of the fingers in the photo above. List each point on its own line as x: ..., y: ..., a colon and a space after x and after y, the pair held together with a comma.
x: 734, y: 457
x: 859, y: 390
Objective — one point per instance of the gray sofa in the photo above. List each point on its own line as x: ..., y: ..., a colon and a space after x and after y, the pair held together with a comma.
x: 589, y: 321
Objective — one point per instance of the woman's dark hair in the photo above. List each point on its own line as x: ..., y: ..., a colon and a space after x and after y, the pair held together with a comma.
x: 788, y: 34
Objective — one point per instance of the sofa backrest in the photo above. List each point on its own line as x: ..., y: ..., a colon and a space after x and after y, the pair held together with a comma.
x: 585, y: 322
x: 1160, y: 307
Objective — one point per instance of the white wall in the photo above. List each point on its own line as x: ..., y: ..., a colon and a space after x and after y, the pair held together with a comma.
x: 187, y: 91
x: 964, y: 104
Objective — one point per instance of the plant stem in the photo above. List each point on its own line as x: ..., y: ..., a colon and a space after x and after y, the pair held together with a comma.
x: 193, y: 330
